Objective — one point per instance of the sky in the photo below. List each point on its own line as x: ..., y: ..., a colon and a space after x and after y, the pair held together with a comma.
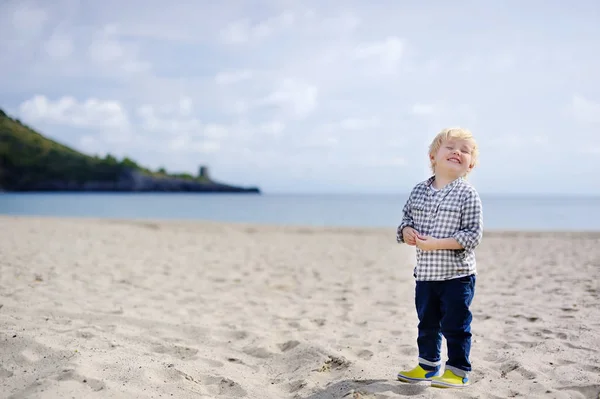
x: 314, y: 96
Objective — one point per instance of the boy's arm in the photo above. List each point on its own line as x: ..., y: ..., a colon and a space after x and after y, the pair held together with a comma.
x: 407, y: 220
x: 448, y: 243
x: 471, y: 232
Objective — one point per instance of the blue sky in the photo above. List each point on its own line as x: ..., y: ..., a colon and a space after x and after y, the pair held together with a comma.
x: 314, y: 96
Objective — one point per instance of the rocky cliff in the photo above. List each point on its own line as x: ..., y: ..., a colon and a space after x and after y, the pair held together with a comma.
x: 136, y: 181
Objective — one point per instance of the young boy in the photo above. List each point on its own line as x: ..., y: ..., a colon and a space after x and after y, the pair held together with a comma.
x: 443, y: 219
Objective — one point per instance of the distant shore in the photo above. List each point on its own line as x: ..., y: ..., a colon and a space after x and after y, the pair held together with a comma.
x: 137, y: 182
x: 115, y: 307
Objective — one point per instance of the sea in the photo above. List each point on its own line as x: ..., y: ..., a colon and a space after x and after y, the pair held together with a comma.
x: 539, y: 213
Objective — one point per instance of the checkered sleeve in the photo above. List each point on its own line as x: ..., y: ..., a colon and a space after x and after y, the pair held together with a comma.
x: 406, y: 219
x: 471, y: 226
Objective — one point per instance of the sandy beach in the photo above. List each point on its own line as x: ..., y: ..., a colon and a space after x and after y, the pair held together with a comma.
x: 129, y: 309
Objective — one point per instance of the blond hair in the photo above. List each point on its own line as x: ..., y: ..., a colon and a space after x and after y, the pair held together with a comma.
x: 453, y: 133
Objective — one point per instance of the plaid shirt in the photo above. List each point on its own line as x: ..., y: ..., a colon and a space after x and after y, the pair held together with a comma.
x: 453, y: 211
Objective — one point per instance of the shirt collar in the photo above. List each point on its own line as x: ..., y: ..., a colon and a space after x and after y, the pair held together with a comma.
x: 448, y: 186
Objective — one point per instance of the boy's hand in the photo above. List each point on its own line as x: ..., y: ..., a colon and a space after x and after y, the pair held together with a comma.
x: 426, y: 243
x: 409, y: 235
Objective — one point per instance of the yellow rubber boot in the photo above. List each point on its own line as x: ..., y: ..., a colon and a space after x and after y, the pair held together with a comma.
x: 449, y: 380
x: 417, y: 374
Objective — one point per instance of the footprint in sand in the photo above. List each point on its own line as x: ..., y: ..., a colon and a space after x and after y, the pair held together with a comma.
x: 69, y: 374
x: 592, y: 369
x: 260, y: 353
x: 222, y: 386
x: 286, y: 346
x: 295, y: 324
x: 180, y: 352
x: 365, y: 354
x: 319, y: 322
x: 28, y: 355
x: 84, y: 334
x: 407, y: 350
x: 588, y: 391
x: 5, y: 373
x: 297, y: 385
x: 559, y: 335
x: 568, y: 310
x: 531, y: 319
x: 212, y: 363
x: 528, y: 344
x: 334, y: 363
x: 386, y: 303
x: 562, y: 362
x: 513, y: 365
x: 570, y: 345
x: 238, y: 335
x: 216, y: 385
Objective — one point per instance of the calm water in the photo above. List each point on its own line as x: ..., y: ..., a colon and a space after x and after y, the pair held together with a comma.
x: 531, y: 213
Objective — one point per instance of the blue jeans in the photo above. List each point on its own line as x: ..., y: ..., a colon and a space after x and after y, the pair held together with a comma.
x: 443, y: 308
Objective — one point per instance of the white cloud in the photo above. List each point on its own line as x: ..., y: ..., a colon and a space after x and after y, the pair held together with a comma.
x: 243, y: 31
x: 351, y: 124
x: 440, y: 114
x: 28, y: 19
x: 298, y: 99
x: 185, y: 106
x: 391, y: 161
x: 469, y: 63
x: 512, y: 141
x: 273, y: 128
x: 91, y: 113
x: 225, y: 78
x: 58, y: 46
x: 585, y: 111
x: 423, y: 109
x: 106, y: 50
x: 188, y: 144
x: 503, y: 63
x: 593, y: 150
x: 494, y: 62
x: 215, y: 131
x: 342, y: 23
x: 359, y: 124
x: 386, y: 53
x: 169, y: 120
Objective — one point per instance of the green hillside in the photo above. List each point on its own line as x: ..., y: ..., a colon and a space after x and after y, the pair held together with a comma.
x: 29, y: 160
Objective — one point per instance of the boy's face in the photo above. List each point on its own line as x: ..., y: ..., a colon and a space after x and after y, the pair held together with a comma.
x: 453, y: 157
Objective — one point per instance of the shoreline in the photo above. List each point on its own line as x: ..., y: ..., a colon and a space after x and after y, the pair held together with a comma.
x: 488, y: 232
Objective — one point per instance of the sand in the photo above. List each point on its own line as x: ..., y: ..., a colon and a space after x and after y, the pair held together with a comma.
x: 130, y: 309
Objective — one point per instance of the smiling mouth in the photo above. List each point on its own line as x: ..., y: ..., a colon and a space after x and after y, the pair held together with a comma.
x: 455, y: 160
